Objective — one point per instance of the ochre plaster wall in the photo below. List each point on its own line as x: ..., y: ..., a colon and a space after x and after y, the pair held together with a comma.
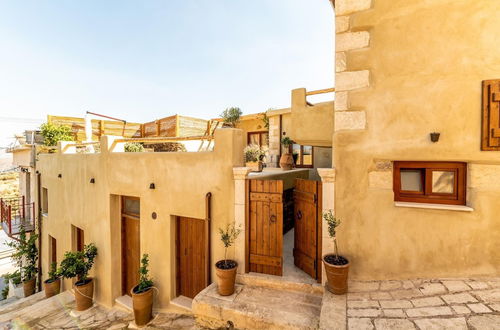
x: 426, y: 60
x: 182, y: 181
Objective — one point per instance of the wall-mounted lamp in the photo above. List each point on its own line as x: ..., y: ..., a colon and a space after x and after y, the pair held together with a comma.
x: 154, y: 215
x: 435, y: 137
x: 92, y: 180
x: 152, y: 186
x: 59, y: 175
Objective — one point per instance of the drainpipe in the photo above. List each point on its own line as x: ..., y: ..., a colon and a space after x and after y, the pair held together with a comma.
x: 39, y: 199
x: 208, y: 220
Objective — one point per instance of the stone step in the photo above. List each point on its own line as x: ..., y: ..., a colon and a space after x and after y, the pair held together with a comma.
x: 279, y: 283
x: 333, y: 311
x: 36, y: 305
x: 125, y: 302
x: 22, y: 302
x: 8, y: 301
x: 257, y: 307
x: 183, y: 303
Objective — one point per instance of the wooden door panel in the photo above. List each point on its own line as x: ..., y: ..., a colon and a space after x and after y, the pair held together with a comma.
x: 130, y: 253
x: 306, y: 226
x: 191, y: 256
x: 266, y: 226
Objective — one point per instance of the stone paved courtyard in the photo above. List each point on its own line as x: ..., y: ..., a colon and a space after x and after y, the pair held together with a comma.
x: 55, y: 313
x: 424, y: 304
x: 415, y: 304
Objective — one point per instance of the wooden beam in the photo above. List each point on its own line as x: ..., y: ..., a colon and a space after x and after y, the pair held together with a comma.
x: 321, y: 91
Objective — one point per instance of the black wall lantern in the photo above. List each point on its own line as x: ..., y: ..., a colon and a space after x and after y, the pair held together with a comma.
x: 59, y: 175
x: 152, y: 186
x: 92, y: 180
x: 435, y: 136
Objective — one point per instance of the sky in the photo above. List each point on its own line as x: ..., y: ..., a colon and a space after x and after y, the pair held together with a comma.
x: 144, y: 60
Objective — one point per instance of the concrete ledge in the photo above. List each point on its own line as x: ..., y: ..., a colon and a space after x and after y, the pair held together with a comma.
x: 447, y: 207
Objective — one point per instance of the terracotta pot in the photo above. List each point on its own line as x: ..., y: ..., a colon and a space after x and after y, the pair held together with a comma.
x: 255, y: 166
x: 286, y: 161
x: 29, y: 287
x: 84, y: 294
x: 143, y: 306
x: 52, y: 288
x: 226, y: 279
x: 336, y: 276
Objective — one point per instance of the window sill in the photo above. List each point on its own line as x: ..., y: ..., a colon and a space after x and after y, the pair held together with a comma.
x: 447, y: 207
x: 45, y: 215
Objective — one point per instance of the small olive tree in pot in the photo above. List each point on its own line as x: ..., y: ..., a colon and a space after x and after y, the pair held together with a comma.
x: 231, y: 116
x: 142, y: 295
x: 26, y: 257
x: 254, y: 156
x: 286, y: 160
x: 336, y: 266
x: 226, y: 269
x: 78, y: 264
x: 52, y: 285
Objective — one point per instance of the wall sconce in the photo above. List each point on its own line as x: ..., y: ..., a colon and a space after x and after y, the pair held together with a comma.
x: 59, y: 175
x: 154, y: 215
x: 92, y: 180
x: 435, y: 137
x: 152, y: 186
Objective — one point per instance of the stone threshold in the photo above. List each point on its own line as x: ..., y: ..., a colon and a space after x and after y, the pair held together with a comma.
x: 279, y: 283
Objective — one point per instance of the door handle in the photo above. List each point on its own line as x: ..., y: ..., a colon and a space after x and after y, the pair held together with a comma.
x: 299, y: 214
x: 272, y: 218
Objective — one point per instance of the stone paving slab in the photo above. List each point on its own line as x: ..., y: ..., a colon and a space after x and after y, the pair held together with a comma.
x: 424, y: 304
x: 56, y: 313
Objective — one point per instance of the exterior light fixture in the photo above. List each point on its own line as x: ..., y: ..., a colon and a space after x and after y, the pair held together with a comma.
x: 59, y: 175
x: 435, y: 137
x: 92, y: 180
x: 154, y: 215
x: 152, y: 186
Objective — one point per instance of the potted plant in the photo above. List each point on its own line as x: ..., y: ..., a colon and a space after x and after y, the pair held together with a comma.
x: 142, y: 295
x: 336, y: 266
x: 52, y: 285
x: 26, y: 257
x: 254, y: 156
x: 231, y: 116
x: 226, y: 269
x: 14, y: 285
x: 77, y: 264
x: 286, y: 160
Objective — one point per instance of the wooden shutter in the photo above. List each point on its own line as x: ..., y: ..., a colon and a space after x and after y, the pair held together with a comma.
x: 491, y: 116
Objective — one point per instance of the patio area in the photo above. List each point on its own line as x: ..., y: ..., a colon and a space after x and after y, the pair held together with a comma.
x: 35, y: 312
x: 417, y: 304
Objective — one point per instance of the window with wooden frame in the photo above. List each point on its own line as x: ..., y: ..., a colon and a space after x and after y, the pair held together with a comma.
x: 303, y: 156
x: 430, y: 182
x: 490, y: 140
x: 258, y: 138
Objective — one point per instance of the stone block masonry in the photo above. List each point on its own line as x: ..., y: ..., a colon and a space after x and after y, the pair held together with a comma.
x: 345, y: 80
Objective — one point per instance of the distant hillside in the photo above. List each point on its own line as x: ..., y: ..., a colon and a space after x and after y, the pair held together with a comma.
x: 5, y: 161
x: 9, y: 184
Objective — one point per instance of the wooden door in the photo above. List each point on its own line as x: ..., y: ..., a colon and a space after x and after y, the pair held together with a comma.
x: 131, y: 246
x: 265, y: 222
x: 306, y: 247
x: 191, y: 246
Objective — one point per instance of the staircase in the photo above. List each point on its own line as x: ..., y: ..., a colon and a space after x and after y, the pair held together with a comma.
x: 261, y: 302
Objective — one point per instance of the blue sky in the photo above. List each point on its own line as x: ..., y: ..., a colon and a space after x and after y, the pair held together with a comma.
x: 143, y: 60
